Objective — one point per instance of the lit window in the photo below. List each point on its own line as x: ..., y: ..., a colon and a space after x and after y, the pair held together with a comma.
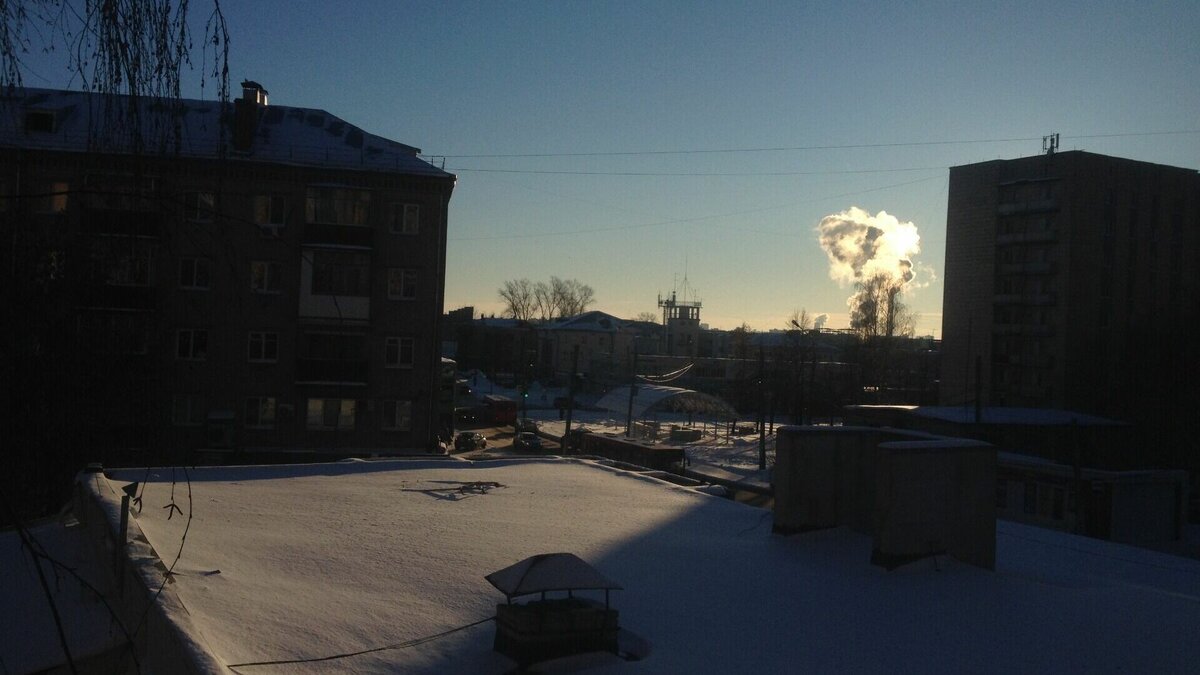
x: 398, y: 352
x: 260, y: 412
x: 402, y: 283
x: 52, y: 197
x: 330, y: 413
x: 264, y: 277
x: 191, y: 344
x: 397, y: 415
x: 405, y: 219
x: 263, y: 347
x: 194, y: 274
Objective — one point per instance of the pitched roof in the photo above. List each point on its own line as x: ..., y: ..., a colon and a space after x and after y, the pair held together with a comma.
x: 90, y: 122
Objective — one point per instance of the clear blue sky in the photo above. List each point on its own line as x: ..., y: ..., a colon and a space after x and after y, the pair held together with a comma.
x: 490, y: 78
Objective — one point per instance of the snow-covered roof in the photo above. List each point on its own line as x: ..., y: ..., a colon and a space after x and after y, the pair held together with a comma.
x: 965, y: 414
x: 287, y: 562
x: 85, y: 121
x: 657, y: 397
x: 547, y: 572
x: 594, y: 321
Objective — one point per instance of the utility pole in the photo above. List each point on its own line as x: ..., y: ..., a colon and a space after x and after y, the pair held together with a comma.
x: 571, y: 390
x: 632, y: 393
x: 762, y: 426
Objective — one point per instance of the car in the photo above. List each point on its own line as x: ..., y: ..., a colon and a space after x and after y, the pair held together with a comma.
x: 526, y: 424
x: 469, y: 440
x: 527, y: 441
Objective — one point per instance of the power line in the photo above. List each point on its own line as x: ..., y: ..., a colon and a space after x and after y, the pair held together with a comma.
x: 700, y: 174
x: 799, y: 148
x: 676, y: 221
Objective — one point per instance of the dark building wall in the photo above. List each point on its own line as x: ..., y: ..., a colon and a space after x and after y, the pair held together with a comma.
x: 1073, y: 276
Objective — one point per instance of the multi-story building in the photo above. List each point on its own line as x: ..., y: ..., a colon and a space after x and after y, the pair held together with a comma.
x: 249, y: 276
x: 1072, y: 282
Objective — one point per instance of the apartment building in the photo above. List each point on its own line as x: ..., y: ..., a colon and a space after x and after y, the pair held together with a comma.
x: 1071, y: 282
x: 232, y: 278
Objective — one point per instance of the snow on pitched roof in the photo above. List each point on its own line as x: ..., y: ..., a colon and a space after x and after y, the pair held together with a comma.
x: 325, y: 559
x: 198, y: 129
x: 549, y: 572
x: 594, y: 320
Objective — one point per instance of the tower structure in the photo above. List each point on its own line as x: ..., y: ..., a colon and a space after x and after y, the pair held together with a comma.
x: 681, y: 322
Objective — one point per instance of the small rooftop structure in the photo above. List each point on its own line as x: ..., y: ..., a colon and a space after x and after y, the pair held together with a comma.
x: 546, y: 629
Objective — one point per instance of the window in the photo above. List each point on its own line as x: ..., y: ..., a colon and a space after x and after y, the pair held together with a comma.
x: 191, y: 344
x: 41, y: 121
x: 199, y: 206
x: 402, y: 283
x: 264, y: 277
x: 187, y: 411
x: 126, y: 262
x: 263, y: 347
x: 337, y: 206
x: 194, y: 274
x: 397, y: 415
x: 52, y: 197
x: 270, y: 213
x: 398, y: 352
x: 114, y: 333
x: 341, y: 273
x: 260, y: 412
x: 404, y: 218
x: 330, y: 413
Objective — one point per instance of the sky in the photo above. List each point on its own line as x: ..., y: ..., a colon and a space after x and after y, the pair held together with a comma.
x: 648, y: 147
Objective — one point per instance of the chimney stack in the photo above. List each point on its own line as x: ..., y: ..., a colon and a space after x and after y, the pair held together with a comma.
x: 245, y: 115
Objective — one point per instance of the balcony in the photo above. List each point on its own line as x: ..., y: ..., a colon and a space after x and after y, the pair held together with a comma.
x: 1028, y: 206
x: 330, y: 371
x: 322, y: 234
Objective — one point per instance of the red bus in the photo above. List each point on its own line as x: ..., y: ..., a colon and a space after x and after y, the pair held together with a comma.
x: 499, y: 410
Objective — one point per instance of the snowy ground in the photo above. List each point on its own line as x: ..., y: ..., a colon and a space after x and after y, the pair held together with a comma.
x: 734, y: 456
x: 287, y: 562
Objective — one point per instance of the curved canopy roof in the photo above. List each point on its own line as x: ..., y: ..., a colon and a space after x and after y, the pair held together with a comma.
x: 549, y: 572
x: 658, y: 398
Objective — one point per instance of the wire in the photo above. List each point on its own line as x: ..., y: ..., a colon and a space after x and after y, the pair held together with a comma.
x: 701, y: 174
x: 797, y: 148
x: 399, y: 645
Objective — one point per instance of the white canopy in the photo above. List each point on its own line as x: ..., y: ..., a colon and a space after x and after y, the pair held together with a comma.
x: 656, y: 397
x: 549, y: 572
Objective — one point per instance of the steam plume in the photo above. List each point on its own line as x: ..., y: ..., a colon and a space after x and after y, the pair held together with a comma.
x: 819, y: 322
x: 860, y: 245
x: 874, y: 253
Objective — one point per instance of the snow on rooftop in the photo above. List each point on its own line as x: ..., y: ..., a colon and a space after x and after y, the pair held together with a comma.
x: 193, y: 128
x: 307, y: 561
x: 1004, y: 415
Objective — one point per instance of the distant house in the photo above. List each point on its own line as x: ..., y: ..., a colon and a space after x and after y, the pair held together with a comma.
x: 227, y: 278
x: 605, y: 345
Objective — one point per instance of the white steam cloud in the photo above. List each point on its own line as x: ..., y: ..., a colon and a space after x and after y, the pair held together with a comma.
x: 819, y: 322
x: 860, y: 245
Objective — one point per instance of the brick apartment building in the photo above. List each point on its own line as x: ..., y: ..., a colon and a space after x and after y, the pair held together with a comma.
x: 1072, y: 281
x: 186, y: 275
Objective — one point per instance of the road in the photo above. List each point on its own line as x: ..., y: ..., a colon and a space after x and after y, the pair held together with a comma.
x: 499, y: 442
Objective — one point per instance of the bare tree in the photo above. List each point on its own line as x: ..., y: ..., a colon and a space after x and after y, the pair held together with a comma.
x: 519, y: 298
x: 800, y: 320
x: 648, y: 317
x: 877, y: 311
x: 571, y: 296
x: 134, y: 47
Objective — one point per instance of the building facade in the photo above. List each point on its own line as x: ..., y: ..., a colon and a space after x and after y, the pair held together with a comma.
x: 1069, y: 280
x: 229, y: 278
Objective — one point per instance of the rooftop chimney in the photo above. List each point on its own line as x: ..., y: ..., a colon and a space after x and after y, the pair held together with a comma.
x: 245, y: 115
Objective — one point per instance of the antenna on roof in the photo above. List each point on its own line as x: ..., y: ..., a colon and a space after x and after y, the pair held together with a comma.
x: 1050, y: 144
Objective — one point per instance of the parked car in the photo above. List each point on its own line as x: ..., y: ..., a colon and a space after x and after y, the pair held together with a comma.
x: 526, y: 424
x: 469, y: 440
x: 527, y: 441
